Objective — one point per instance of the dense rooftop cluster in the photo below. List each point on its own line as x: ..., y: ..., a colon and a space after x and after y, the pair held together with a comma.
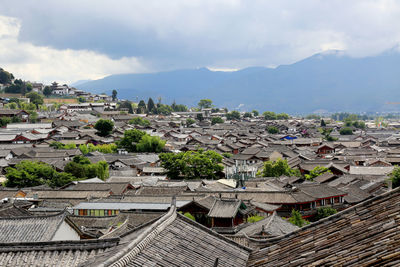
x: 98, y: 198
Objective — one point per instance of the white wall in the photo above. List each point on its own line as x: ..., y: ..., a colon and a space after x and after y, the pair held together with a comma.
x: 65, y: 232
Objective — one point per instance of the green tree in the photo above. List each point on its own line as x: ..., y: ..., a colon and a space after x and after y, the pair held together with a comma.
x: 12, y: 105
x: 163, y: 109
x: 150, y: 144
x: 269, y: 115
x: 255, y: 113
x: 358, y: 124
x: 29, y: 173
x: 5, y: 77
x: 215, y: 120
x: 278, y: 168
x: 35, y: 98
x: 114, y: 95
x: 200, y: 117
x: 84, y: 149
x: 297, y: 219
x: 47, y: 91
x: 141, y: 107
x: 81, y: 99
x: 323, y: 124
x: 325, y: 212
x: 104, y: 127
x: 14, y: 88
x: 82, y: 168
x: 272, y: 130
x: 233, y: 115
x: 395, y: 177
x: 4, y: 121
x: 317, y: 171
x: 189, y: 122
x: 282, y: 116
x: 33, y: 117
x: 192, y: 164
x: 102, y: 170
x: 247, y: 115
x: 205, y: 103
x: 346, y: 131
x: 178, y: 108
x: 227, y: 155
x: 126, y: 105
x: 254, y: 218
x: 139, y: 121
x: 61, y: 179
x: 151, y: 108
x: 326, y: 132
x: 130, y: 139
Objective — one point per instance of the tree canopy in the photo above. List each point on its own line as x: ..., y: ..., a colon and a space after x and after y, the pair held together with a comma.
x: 127, y: 105
x: 270, y: 115
x: 192, y: 164
x: 205, y: 103
x: 317, y: 171
x: 215, y: 120
x: 297, y: 219
x: 278, y: 168
x: 151, y: 108
x: 141, y: 108
x: 139, y: 121
x: 5, y: 77
x: 35, y: 98
x: 325, y: 212
x: 104, y: 127
x: 114, y: 95
x: 233, y: 115
x: 395, y: 177
x: 138, y: 141
x: 272, y: 130
x: 29, y: 173
x: 346, y: 131
x: 47, y: 91
x: 82, y: 168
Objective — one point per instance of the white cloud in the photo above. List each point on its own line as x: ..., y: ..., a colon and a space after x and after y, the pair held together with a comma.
x: 217, y: 33
x: 41, y: 63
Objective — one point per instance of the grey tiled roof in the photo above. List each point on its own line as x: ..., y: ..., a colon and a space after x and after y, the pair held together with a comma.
x: 365, y: 234
x: 224, y: 208
x: 57, y: 253
x: 29, y: 229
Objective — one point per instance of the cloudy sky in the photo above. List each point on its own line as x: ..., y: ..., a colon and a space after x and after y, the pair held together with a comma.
x: 83, y: 39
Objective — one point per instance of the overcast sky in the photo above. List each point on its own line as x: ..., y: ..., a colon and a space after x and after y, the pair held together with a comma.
x: 82, y: 39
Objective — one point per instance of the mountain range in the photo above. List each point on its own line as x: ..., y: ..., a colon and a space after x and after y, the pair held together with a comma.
x: 327, y: 82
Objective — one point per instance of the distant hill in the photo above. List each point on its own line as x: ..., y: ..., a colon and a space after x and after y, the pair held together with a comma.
x: 330, y: 81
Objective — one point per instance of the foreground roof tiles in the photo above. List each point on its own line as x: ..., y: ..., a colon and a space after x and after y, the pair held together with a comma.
x: 365, y: 234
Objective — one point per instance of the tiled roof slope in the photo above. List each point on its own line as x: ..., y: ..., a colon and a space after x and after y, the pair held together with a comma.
x: 55, y: 253
x: 184, y: 244
x: 30, y: 229
x: 174, y: 240
x: 365, y: 234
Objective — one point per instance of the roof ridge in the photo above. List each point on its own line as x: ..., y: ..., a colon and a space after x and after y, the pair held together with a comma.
x: 123, y: 257
x: 113, y: 231
x: 270, y: 220
x: 59, y: 245
x: 62, y: 213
